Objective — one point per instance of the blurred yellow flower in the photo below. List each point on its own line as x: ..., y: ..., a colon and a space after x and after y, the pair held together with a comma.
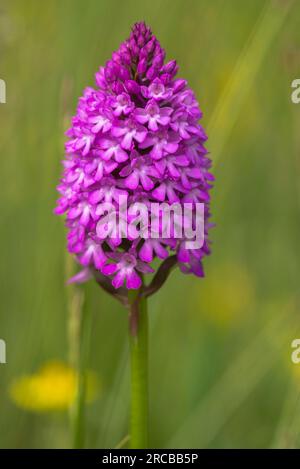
x: 228, y: 294
x: 51, y: 388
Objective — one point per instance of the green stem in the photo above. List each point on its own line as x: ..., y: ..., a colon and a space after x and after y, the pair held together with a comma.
x: 138, y: 331
x: 78, y: 419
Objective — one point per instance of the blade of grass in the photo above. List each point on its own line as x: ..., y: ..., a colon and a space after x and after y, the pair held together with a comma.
x: 226, y: 114
x: 225, y: 397
x: 287, y: 432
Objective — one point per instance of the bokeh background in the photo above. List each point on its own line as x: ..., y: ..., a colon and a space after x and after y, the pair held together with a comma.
x: 220, y: 367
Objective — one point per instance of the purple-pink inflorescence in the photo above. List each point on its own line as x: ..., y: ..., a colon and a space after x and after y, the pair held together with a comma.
x: 136, y: 135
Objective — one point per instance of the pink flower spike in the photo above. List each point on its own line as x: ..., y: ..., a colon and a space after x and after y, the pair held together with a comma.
x: 135, y: 139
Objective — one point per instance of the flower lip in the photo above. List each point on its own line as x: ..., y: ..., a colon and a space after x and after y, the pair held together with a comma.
x: 128, y: 262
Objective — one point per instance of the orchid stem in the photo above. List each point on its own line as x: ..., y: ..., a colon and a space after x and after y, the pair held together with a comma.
x: 138, y: 332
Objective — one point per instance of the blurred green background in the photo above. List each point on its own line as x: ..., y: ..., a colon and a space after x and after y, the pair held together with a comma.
x: 220, y: 367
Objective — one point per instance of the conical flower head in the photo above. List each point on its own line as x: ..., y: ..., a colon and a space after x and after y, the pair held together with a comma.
x: 135, y: 154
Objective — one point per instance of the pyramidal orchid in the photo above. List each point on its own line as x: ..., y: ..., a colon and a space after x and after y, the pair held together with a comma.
x: 136, y: 141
